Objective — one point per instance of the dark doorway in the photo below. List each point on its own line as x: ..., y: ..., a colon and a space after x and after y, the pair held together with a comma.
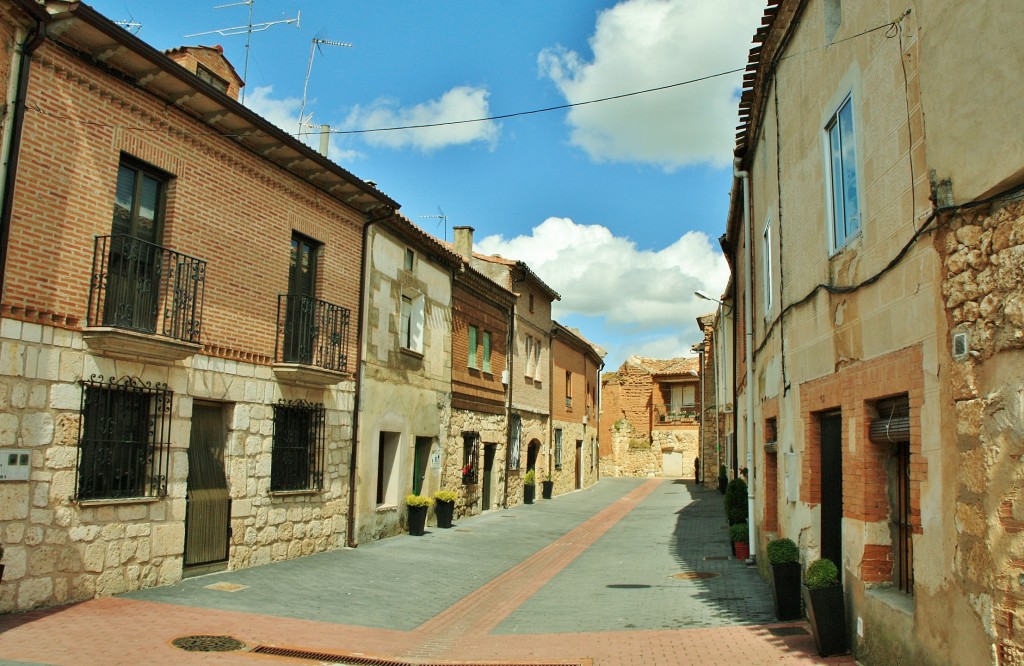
x: 420, y: 460
x: 832, y: 488
x: 300, y: 312
x: 489, y: 450
x: 208, y: 506
x: 531, y: 455
x: 579, y: 464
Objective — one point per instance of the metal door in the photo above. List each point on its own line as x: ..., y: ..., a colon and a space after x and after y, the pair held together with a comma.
x: 579, y: 464
x: 489, y: 450
x: 208, y: 508
x: 832, y: 488
x: 421, y: 456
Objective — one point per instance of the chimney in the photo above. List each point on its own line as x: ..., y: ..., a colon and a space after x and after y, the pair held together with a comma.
x: 464, y: 242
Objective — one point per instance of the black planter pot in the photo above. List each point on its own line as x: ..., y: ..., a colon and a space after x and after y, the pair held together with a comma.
x: 786, y: 590
x: 826, y: 612
x: 444, y: 512
x: 417, y: 520
x: 723, y: 482
x: 529, y: 492
x: 548, y: 486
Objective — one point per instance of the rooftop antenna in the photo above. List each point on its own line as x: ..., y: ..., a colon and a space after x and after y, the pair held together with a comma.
x: 248, y: 29
x: 444, y: 221
x: 313, y: 48
x: 131, y: 25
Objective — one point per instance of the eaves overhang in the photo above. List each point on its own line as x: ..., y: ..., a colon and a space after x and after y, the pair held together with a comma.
x: 96, y: 39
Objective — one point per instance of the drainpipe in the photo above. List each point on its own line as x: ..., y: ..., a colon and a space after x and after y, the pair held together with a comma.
x: 748, y: 355
x: 16, y: 93
x: 350, y: 529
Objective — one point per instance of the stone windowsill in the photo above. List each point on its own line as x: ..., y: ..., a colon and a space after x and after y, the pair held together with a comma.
x: 411, y: 353
x: 386, y: 508
x: 308, y: 375
x: 123, y: 343
x: 292, y: 493
x: 893, y: 598
x: 117, y: 500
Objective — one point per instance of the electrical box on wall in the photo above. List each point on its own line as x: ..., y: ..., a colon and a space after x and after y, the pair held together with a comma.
x: 15, y: 464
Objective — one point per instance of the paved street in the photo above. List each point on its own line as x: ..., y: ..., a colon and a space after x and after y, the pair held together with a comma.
x: 632, y: 571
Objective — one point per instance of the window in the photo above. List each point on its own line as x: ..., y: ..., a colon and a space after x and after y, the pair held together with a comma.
x: 297, y: 458
x: 387, y: 457
x: 301, y: 324
x: 515, y: 444
x: 844, y: 206
x: 410, y: 259
x: 536, y: 360
x: 138, y: 202
x: 206, y: 74
x: 689, y: 395
x: 411, y: 322
x: 766, y: 250
x: 487, y: 352
x: 558, y: 448
x: 123, y: 439
x: 568, y: 389
x: 529, y: 357
x: 892, y: 430
x: 472, y: 347
x: 531, y: 302
x: 470, y: 455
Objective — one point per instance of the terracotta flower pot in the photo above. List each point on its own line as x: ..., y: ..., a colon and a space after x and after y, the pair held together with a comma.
x: 742, y: 550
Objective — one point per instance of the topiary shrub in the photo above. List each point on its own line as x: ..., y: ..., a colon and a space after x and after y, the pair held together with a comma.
x: 821, y: 573
x: 783, y: 551
x: 736, y: 502
x: 739, y: 533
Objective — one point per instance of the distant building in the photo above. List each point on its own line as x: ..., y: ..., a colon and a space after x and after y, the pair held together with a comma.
x: 575, y: 420
x: 651, y: 418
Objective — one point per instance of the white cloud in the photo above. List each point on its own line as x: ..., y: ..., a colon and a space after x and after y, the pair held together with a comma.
x: 640, y: 44
x: 642, y: 295
x: 284, y: 112
x: 459, y: 103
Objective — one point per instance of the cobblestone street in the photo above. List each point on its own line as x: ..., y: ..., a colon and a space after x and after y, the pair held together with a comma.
x: 627, y: 572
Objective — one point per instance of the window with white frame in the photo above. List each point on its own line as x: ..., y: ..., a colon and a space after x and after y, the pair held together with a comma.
x: 766, y: 248
x: 486, y: 365
x: 843, y: 193
x: 472, y: 347
x: 410, y: 330
x: 528, y: 356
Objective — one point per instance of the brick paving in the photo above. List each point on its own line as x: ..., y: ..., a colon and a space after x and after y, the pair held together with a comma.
x: 584, y: 578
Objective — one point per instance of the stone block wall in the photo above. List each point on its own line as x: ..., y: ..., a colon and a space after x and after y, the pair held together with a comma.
x: 493, y: 430
x: 60, y: 550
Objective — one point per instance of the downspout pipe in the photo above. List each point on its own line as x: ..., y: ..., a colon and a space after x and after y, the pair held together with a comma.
x: 11, y: 147
x: 350, y: 529
x: 748, y: 354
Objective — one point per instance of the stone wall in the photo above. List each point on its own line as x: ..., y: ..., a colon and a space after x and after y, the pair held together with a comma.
x: 984, y: 264
x: 683, y: 441
x: 632, y: 453
x: 59, y: 549
x: 492, y: 429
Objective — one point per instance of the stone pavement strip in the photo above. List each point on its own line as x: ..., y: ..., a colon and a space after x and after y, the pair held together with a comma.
x: 631, y: 571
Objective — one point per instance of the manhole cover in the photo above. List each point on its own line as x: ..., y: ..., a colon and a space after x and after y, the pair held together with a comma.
x: 693, y: 575
x: 208, y: 643
x: 226, y: 587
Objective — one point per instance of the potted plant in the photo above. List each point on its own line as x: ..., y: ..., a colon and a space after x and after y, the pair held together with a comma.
x: 784, y: 558
x: 529, y: 487
x: 547, y: 486
x: 418, y: 506
x: 723, y: 479
x: 444, y: 507
x: 826, y: 607
x: 739, y: 535
x: 736, y: 502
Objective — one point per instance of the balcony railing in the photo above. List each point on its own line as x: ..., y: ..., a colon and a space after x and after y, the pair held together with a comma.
x: 676, y: 413
x: 143, y: 287
x: 312, y: 332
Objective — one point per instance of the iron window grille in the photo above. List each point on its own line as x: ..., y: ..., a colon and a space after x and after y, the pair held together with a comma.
x: 297, y: 459
x: 141, y: 286
x: 124, y: 439
x: 312, y: 332
x: 558, y: 448
x: 470, y: 455
x: 516, y: 443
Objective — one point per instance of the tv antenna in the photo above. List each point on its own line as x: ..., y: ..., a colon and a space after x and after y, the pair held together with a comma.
x: 131, y: 25
x: 248, y: 29
x: 444, y: 221
x: 313, y: 48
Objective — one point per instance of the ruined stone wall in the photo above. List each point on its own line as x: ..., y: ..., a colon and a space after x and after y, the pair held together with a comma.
x: 684, y: 442
x: 984, y: 266
x: 632, y: 453
x: 60, y: 550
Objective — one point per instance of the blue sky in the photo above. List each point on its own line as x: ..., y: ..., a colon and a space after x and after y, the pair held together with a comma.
x: 616, y: 205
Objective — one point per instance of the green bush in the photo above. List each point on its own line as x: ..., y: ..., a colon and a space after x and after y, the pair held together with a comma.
x: 783, y: 551
x: 736, y: 502
x: 530, y: 479
x: 418, y: 500
x: 446, y: 496
x: 739, y: 532
x: 821, y: 573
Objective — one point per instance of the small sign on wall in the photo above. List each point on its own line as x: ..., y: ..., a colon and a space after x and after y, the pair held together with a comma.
x: 435, y: 460
x: 15, y: 464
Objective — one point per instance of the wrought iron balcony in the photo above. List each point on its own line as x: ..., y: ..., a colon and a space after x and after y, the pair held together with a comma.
x: 312, y: 332
x: 139, y: 286
x: 676, y: 413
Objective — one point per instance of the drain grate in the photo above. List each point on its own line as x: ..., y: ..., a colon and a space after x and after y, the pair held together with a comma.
x: 787, y: 631
x: 693, y: 575
x: 342, y: 659
x: 208, y: 643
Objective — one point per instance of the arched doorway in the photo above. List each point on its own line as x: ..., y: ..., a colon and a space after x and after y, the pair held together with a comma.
x: 532, y: 451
